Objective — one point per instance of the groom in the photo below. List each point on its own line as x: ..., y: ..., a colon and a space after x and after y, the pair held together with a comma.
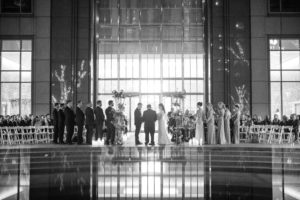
x: 149, y: 118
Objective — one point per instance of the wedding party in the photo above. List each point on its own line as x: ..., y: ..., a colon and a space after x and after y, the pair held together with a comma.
x: 149, y: 99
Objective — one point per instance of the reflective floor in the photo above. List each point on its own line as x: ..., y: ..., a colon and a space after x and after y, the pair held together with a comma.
x: 177, y: 172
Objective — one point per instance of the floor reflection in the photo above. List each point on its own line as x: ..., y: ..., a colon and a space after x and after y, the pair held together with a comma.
x: 177, y: 172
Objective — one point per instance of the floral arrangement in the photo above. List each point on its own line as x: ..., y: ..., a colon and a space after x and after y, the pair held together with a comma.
x: 118, y: 94
x: 177, y: 96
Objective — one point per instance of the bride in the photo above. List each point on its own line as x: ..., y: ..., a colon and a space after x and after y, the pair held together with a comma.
x: 163, y: 138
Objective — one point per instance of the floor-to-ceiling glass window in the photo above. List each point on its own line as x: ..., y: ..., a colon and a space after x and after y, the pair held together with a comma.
x: 150, y: 47
x: 284, y: 60
x: 15, y: 79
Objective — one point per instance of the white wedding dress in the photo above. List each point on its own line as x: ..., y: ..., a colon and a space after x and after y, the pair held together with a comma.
x: 163, y: 138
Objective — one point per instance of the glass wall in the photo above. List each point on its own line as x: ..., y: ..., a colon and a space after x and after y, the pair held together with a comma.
x: 284, y: 62
x: 15, y: 79
x: 150, y: 47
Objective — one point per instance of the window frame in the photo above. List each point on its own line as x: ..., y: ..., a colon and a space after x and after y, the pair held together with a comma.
x: 281, y: 13
x: 11, y: 14
x: 280, y: 81
x: 20, y: 38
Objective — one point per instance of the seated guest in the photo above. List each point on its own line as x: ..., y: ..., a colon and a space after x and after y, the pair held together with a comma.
x: 255, y: 119
x: 48, y: 120
x: 249, y: 121
x: 259, y: 121
x: 276, y: 120
x: 267, y: 120
x: 295, y: 123
x: 284, y: 121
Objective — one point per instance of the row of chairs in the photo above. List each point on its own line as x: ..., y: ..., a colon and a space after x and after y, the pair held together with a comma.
x: 267, y: 134
x: 26, y: 135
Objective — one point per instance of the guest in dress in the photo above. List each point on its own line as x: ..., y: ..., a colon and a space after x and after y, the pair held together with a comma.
x: 80, y: 122
x: 221, y: 129
x: 210, y: 120
x: 227, y: 124
x: 200, y: 117
x: 236, y: 121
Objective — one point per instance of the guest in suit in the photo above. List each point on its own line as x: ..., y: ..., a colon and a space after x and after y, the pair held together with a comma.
x: 276, y: 120
x: 109, y: 112
x: 79, y: 121
x: 69, y: 121
x: 61, y: 123
x: 138, y: 120
x: 55, y: 122
x: 89, y: 123
x: 149, y: 118
x: 100, y: 118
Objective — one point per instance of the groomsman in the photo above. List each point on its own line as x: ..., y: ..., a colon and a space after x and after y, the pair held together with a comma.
x: 55, y: 122
x: 89, y: 123
x: 138, y: 120
x: 79, y: 122
x: 109, y: 112
x: 100, y: 118
x: 69, y: 121
x: 61, y: 123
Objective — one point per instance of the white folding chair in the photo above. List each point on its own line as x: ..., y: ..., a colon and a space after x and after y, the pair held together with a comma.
x: 50, y: 131
x: 28, y: 135
x: 287, y: 135
x: 5, y: 138
x: 276, y: 135
x: 41, y: 134
x: 244, y: 134
x: 254, y: 132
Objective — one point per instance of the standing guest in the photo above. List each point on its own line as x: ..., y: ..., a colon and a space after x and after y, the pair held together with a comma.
x: 227, y: 124
x: 110, y: 139
x: 210, y: 120
x: 221, y: 131
x: 200, y: 117
x: 79, y: 122
x: 69, y: 121
x: 236, y: 124
x: 276, y: 120
x: 89, y: 123
x: 100, y: 118
x: 138, y: 120
x: 61, y: 123
x: 149, y: 118
x: 55, y: 122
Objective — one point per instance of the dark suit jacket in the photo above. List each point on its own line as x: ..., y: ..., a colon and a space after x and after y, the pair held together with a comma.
x: 55, y: 117
x: 79, y: 117
x: 61, y: 118
x: 109, y: 112
x: 99, y: 115
x: 138, y: 119
x: 89, y: 116
x: 149, y: 118
x: 69, y: 117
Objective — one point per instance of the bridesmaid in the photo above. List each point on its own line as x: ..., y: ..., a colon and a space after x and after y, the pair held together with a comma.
x: 199, y: 135
x: 227, y: 124
x: 236, y: 124
x: 221, y: 131
x: 211, y: 134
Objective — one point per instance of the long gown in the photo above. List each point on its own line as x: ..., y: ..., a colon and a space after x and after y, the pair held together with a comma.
x: 211, y: 131
x: 236, y: 130
x: 227, y: 126
x: 199, y: 135
x: 221, y: 131
x: 163, y: 138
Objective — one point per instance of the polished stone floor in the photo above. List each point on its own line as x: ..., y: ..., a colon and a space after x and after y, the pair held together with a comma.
x: 245, y: 171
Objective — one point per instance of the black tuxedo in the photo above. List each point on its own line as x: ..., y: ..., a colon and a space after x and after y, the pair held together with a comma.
x: 138, y: 120
x: 69, y: 122
x: 149, y: 118
x: 80, y: 123
x: 109, y: 123
x: 55, y: 124
x: 89, y: 124
x: 61, y: 125
x: 100, y: 118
